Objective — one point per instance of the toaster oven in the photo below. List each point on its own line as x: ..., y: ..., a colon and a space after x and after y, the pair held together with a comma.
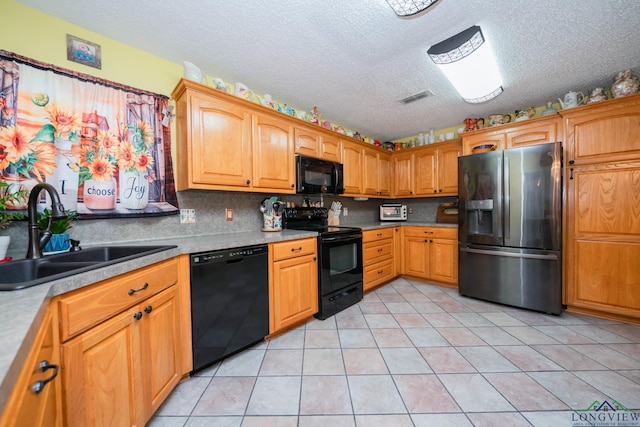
x: 393, y: 212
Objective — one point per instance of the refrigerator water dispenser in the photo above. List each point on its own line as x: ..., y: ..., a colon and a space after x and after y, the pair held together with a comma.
x: 479, y: 216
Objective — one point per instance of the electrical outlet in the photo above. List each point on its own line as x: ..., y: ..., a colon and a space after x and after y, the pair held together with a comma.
x: 345, y: 211
x: 228, y: 213
x: 187, y: 216
x: 410, y: 210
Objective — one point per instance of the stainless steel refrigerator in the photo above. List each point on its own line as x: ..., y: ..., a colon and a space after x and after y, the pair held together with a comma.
x: 510, y: 227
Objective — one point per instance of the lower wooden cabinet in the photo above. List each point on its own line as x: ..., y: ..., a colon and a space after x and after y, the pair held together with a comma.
x: 293, y: 282
x: 118, y: 371
x: 378, y: 256
x: 34, y: 401
x: 602, y: 246
x: 431, y: 253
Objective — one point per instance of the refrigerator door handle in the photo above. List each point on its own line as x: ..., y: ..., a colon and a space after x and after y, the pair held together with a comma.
x: 510, y: 254
x: 507, y: 204
x: 497, y: 210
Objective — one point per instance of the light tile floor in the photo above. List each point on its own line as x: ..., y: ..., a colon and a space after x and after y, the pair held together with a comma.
x: 414, y: 354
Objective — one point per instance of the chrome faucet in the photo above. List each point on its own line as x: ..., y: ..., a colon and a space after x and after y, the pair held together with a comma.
x: 38, y: 241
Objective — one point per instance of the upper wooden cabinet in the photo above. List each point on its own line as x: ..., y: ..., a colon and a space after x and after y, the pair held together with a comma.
x: 431, y: 170
x: 517, y: 134
x: 352, y: 163
x: 603, y: 132
x: 313, y: 143
x: 228, y: 143
x: 436, y: 169
x: 403, y: 171
x: 273, y: 162
x: 376, y: 172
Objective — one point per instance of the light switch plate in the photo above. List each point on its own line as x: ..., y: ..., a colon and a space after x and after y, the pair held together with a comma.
x: 228, y: 213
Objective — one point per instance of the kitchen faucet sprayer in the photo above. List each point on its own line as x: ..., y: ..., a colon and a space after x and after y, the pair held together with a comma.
x: 37, y: 240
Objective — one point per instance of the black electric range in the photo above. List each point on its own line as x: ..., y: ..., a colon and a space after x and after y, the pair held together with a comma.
x: 339, y: 258
x: 313, y: 219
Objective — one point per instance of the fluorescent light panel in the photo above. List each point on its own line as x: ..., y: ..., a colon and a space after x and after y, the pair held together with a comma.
x: 409, y: 7
x: 468, y: 62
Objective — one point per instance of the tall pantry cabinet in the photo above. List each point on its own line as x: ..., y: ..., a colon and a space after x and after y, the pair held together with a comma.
x: 602, y: 208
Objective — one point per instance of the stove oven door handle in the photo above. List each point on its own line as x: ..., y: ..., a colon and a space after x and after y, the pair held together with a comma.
x: 341, y: 238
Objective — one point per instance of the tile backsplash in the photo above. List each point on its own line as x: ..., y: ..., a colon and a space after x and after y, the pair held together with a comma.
x: 210, y: 218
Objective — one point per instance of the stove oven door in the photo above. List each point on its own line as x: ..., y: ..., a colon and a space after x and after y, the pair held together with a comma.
x: 340, y: 272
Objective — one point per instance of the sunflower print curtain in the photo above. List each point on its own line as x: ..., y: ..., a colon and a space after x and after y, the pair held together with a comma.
x: 102, y: 145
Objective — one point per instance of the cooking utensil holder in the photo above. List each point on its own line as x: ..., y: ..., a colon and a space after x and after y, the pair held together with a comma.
x: 271, y: 222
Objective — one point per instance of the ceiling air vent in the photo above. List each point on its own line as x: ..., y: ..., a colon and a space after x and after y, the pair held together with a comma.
x: 417, y: 96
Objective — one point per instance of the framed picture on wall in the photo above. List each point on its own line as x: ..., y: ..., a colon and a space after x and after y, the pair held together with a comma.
x: 83, y: 52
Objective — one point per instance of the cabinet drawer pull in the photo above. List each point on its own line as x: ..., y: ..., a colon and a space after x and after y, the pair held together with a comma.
x: 380, y: 250
x: 148, y: 309
x: 38, y: 386
x: 138, y: 315
x: 296, y: 249
x: 133, y: 291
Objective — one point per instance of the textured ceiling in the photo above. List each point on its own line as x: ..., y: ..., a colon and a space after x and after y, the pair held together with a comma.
x: 355, y: 59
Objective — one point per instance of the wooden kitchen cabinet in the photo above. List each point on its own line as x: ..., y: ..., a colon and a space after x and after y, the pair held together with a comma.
x: 272, y: 149
x: 602, y: 230
x: 378, y: 256
x: 228, y: 143
x: 376, y: 172
x: 403, y: 171
x: 431, y: 253
x: 537, y: 130
x: 122, y: 347
x: 426, y: 171
x: 40, y: 372
x: 293, y: 282
x: 313, y: 143
x: 352, y: 168
x: 436, y: 169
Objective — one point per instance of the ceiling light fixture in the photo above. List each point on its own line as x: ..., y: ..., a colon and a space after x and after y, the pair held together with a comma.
x: 469, y: 64
x: 409, y: 7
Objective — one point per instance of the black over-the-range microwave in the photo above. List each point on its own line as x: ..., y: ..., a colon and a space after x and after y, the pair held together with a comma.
x: 316, y: 176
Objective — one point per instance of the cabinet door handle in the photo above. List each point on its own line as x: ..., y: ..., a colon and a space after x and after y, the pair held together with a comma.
x: 148, y: 309
x: 133, y: 291
x: 293, y: 185
x: 248, y: 182
x: 296, y: 249
x: 138, y: 315
x: 38, y: 386
x: 571, y: 173
x: 571, y: 162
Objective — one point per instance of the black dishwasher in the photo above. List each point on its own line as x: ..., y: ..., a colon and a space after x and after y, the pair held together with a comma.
x: 229, y: 302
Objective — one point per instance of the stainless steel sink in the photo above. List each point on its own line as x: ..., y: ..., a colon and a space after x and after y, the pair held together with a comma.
x: 15, y: 275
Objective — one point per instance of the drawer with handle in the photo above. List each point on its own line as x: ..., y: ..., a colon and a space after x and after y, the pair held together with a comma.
x: 293, y: 248
x: 87, y: 307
